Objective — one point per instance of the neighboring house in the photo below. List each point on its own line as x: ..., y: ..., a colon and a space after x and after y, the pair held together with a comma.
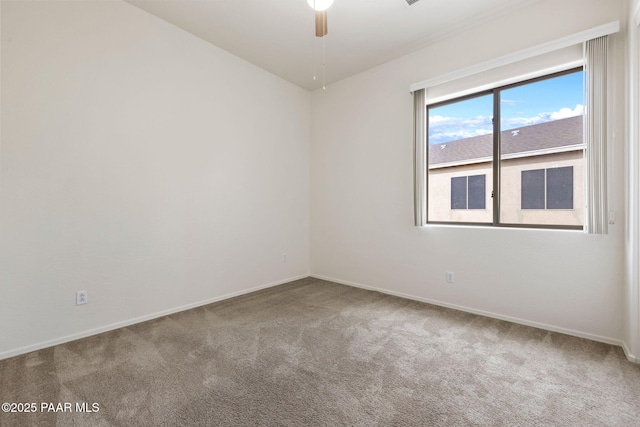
x: 542, y: 168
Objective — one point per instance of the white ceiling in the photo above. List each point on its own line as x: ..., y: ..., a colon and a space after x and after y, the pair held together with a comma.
x: 278, y: 35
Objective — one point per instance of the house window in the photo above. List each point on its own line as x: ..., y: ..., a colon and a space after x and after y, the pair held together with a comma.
x: 547, y: 188
x: 468, y: 192
x: 511, y: 156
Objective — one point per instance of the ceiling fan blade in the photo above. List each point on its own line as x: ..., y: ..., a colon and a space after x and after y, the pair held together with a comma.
x: 321, y: 23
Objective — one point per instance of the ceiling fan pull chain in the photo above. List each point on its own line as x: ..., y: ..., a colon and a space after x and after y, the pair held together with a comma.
x: 323, y: 63
x: 314, y: 59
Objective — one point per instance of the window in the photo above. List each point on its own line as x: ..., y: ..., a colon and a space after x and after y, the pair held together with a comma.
x: 547, y: 188
x: 468, y: 192
x: 510, y: 156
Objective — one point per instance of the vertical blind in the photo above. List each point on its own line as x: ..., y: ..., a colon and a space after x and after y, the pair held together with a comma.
x: 595, y: 56
x: 419, y: 158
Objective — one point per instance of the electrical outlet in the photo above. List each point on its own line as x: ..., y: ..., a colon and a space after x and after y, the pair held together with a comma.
x: 82, y: 297
x: 450, y: 277
x: 284, y: 257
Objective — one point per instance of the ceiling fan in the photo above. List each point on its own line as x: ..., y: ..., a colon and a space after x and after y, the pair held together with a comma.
x: 320, y: 6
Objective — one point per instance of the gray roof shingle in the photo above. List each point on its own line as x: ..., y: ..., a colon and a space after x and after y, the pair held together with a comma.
x: 548, y: 136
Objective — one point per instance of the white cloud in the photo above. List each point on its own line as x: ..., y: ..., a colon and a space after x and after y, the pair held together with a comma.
x: 444, y: 129
x: 443, y: 136
x: 568, y: 112
x: 464, y: 122
x: 563, y: 113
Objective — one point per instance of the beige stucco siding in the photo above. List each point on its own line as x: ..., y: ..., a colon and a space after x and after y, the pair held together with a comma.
x: 439, y: 200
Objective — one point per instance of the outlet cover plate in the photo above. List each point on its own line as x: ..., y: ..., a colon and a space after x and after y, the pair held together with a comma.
x: 82, y: 297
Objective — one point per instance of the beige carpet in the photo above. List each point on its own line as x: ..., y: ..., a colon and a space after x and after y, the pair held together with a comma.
x: 313, y: 353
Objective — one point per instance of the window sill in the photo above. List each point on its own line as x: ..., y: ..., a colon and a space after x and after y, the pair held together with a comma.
x: 481, y: 226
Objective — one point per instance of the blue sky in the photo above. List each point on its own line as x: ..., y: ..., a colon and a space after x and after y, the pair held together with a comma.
x: 525, y: 105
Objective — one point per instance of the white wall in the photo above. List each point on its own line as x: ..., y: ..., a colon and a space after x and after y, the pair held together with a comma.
x: 142, y: 164
x: 631, y: 305
x: 362, y: 196
x: 128, y: 167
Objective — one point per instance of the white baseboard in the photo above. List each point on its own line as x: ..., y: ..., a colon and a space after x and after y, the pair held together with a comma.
x: 129, y: 322
x: 627, y: 352
x: 511, y: 319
